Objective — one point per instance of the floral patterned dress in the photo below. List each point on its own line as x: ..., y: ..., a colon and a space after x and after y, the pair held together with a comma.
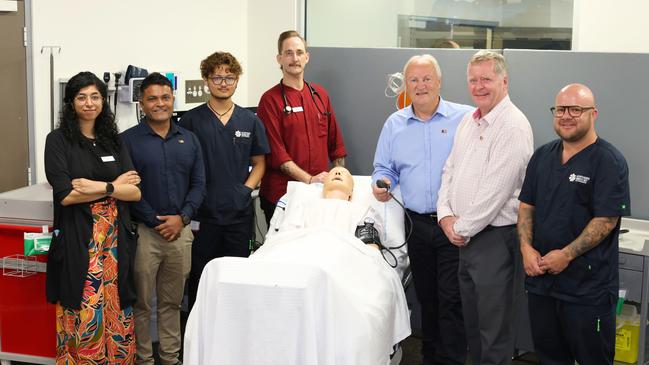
x: 99, y: 332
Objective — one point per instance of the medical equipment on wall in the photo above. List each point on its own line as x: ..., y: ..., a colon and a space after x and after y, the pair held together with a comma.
x: 129, y: 92
x: 314, y: 94
x: 118, y: 75
x: 395, y: 83
x: 395, y: 89
x: 109, y: 96
x: 134, y: 72
x: 51, y: 50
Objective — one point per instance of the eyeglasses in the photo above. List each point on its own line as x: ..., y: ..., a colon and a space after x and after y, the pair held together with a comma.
x: 291, y: 53
x: 95, y: 99
x: 217, y: 80
x: 574, y: 111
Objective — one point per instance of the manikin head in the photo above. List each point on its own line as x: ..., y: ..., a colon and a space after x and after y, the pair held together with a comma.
x: 339, y: 184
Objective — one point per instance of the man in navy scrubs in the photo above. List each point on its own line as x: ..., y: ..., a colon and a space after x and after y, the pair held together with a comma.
x: 575, y: 191
x: 234, y: 146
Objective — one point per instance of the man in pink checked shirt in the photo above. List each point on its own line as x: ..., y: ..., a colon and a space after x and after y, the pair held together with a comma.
x: 478, y: 205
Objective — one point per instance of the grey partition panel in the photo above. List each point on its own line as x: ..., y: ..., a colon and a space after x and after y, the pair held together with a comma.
x: 356, y: 79
x: 619, y: 82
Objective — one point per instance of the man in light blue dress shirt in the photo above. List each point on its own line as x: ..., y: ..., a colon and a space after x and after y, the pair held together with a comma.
x: 411, y: 151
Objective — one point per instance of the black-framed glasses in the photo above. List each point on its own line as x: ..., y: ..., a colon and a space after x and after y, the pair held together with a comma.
x: 229, y: 80
x: 574, y: 111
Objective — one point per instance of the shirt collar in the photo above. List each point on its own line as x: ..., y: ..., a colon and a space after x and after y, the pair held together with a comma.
x: 442, y: 110
x: 145, y: 128
x: 492, y: 116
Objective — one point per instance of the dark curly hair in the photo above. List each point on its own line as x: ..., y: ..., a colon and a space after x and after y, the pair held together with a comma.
x: 105, y: 127
x: 217, y: 59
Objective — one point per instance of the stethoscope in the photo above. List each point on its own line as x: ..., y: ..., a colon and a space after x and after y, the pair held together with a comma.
x: 314, y: 93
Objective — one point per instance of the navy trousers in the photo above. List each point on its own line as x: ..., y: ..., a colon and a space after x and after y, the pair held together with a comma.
x: 434, y: 265
x: 564, y: 332
x: 212, y: 241
x: 268, y: 208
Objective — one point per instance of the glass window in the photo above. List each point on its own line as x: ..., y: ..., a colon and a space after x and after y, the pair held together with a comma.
x: 529, y: 24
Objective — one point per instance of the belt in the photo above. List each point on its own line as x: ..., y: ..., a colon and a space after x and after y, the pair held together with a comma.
x: 425, y: 216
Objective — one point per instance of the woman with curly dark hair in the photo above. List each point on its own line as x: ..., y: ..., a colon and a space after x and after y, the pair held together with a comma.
x: 90, y: 262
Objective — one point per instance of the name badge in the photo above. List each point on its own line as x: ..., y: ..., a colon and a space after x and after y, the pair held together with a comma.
x: 108, y: 158
x: 297, y: 109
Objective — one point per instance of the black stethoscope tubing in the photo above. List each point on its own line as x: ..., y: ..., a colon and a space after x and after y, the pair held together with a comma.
x: 314, y: 93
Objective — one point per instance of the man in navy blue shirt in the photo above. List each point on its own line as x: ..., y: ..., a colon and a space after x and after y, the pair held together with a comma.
x: 575, y: 191
x: 234, y: 146
x: 170, y: 163
x: 411, y: 151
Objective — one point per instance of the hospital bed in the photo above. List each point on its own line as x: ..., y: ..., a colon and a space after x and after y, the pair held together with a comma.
x: 309, y: 296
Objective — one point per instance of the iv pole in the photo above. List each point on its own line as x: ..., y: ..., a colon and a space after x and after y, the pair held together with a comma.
x: 51, y: 49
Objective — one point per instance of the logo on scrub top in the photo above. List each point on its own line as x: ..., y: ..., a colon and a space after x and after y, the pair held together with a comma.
x: 579, y: 178
x: 243, y: 134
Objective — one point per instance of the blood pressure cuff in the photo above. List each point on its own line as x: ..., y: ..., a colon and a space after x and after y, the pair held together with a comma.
x: 368, y: 234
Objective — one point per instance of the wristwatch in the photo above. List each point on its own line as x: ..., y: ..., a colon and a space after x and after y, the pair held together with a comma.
x: 109, y: 189
x: 186, y: 219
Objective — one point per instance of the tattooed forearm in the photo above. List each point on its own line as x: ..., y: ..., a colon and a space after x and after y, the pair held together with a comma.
x: 339, y: 162
x: 525, y: 225
x: 596, y: 230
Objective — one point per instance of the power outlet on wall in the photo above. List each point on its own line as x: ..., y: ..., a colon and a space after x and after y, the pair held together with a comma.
x: 196, y: 92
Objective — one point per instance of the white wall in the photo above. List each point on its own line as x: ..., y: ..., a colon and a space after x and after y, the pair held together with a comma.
x: 266, y: 20
x: 157, y: 35
x: 610, y: 26
x: 162, y: 35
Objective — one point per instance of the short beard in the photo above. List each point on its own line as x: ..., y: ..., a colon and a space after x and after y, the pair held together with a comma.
x: 576, y: 137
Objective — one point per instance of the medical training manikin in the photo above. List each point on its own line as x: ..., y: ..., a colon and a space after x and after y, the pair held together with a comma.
x: 320, y: 296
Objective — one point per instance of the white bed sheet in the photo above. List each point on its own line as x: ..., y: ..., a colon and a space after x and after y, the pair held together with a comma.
x: 391, y: 214
x: 311, y: 296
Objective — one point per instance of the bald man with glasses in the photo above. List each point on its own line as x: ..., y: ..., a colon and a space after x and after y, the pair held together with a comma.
x: 576, y: 189
x: 234, y: 146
